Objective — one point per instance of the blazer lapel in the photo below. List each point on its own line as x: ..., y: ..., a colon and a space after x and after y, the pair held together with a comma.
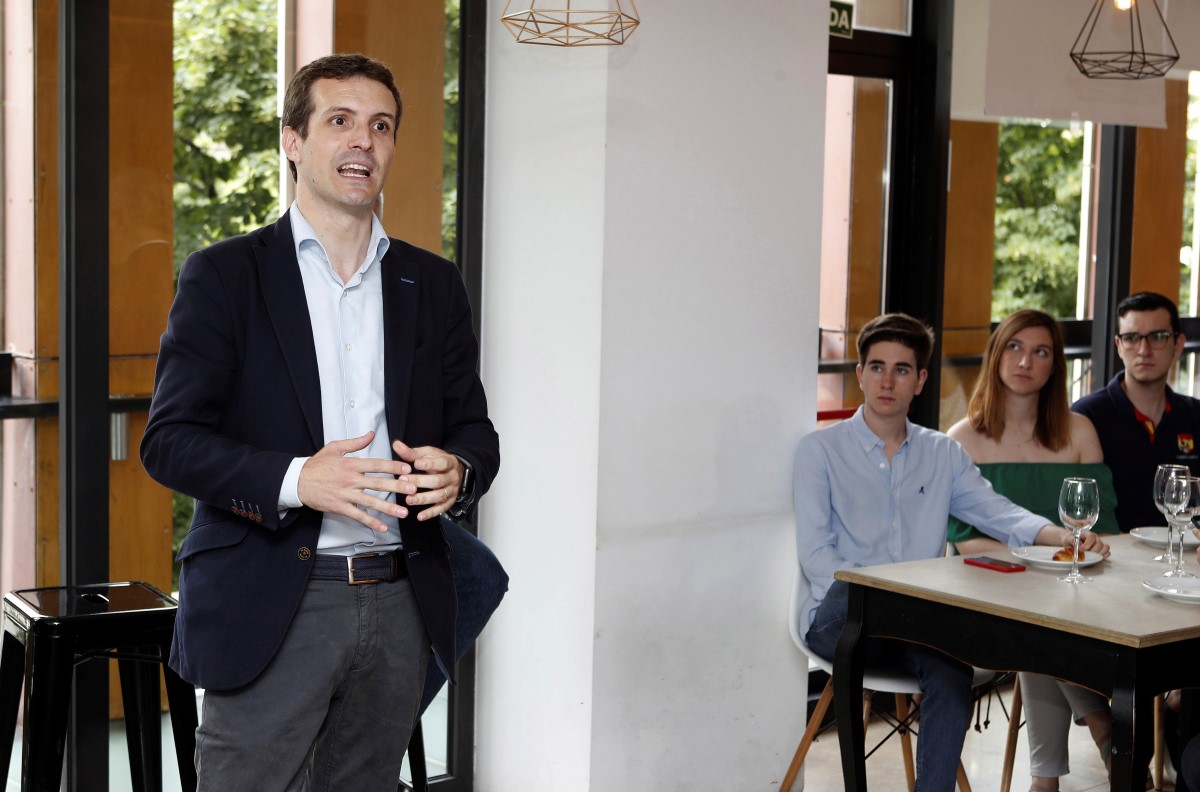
x: 283, y: 293
x: 401, y: 289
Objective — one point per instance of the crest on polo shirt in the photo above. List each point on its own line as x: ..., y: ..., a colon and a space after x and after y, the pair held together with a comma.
x: 1186, y: 443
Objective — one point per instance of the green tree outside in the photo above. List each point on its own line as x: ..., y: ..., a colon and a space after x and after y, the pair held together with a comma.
x: 1038, y: 203
x: 226, y: 136
x: 1186, y: 307
x: 226, y: 127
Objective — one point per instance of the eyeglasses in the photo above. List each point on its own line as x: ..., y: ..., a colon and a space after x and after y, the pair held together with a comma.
x: 1157, y: 340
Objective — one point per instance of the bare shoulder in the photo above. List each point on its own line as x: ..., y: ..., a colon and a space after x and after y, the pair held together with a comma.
x: 968, y: 437
x: 1084, y: 439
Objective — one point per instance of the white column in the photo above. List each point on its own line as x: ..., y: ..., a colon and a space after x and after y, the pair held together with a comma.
x: 652, y: 248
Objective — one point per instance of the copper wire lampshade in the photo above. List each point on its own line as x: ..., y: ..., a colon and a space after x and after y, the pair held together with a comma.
x: 613, y: 23
x: 1112, y: 45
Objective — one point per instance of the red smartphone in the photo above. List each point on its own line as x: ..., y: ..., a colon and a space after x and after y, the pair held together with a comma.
x: 995, y: 563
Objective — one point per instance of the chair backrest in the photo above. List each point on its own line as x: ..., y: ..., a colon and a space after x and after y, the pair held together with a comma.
x: 801, y: 592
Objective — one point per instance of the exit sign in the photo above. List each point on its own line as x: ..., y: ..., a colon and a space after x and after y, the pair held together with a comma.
x: 841, y: 19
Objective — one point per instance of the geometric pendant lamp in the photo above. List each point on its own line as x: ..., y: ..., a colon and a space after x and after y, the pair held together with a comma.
x: 588, y: 23
x: 1124, y: 40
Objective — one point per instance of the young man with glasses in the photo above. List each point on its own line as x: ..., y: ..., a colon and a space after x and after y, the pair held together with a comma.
x: 1142, y: 423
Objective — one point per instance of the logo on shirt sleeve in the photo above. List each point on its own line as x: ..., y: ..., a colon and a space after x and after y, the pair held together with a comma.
x: 1186, y: 443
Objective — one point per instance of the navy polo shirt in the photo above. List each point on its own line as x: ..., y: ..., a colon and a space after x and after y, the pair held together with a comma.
x: 1129, y: 453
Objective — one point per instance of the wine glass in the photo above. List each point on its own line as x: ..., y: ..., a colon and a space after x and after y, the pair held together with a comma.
x: 1177, y: 492
x: 1160, y: 476
x: 1078, y: 510
x: 1184, y: 517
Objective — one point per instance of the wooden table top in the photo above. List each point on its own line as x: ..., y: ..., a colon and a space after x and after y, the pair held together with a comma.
x: 1114, y: 607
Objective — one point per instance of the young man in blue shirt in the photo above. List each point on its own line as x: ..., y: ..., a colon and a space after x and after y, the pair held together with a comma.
x: 877, y: 489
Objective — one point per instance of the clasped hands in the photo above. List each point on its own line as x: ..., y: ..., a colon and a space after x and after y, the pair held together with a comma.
x: 333, y: 481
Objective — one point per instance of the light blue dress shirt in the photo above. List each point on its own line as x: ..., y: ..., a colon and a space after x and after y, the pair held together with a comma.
x: 347, y: 325
x: 854, y: 508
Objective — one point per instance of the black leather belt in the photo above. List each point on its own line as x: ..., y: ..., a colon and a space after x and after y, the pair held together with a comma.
x: 363, y: 568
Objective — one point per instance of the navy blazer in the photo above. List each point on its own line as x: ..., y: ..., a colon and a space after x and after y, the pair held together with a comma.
x: 237, y: 396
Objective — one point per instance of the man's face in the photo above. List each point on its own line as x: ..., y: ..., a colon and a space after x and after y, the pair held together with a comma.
x: 344, y: 161
x: 889, y: 378
x: 1143, y: 363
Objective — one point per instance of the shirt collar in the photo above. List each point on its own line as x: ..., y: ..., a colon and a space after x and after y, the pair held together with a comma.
x: 302, y: 232
x: 1121, y: 397
x: 867, y: 438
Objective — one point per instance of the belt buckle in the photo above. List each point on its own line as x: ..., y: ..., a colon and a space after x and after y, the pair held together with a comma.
x: 353, y: 581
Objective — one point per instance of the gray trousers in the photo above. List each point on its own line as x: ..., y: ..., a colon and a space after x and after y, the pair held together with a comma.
x: 1050, y: 706
x: 336, y: 706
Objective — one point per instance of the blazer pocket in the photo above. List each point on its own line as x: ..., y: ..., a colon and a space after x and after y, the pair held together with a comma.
x: 212, y: 536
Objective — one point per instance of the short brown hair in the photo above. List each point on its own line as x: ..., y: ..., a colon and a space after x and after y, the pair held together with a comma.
x: 986, y: 408
x: 298, y: 102
x: 901, y: 328
x: 1150, y: 301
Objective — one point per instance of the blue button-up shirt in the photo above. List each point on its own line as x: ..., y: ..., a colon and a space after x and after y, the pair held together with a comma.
x: 347, y: 325
x: 855, y: 508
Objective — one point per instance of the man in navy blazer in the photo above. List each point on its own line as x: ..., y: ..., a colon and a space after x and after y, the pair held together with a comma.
x: 317, y: 394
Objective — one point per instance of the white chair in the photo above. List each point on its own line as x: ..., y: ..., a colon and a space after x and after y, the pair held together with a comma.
x: 874, y: 680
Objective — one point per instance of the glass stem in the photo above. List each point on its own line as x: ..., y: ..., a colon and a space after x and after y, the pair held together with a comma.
x: 1075, y: 556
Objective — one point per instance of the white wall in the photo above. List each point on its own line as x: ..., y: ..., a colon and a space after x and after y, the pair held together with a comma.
x: 652, y: 243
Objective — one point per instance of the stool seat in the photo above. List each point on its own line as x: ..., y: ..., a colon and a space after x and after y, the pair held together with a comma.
x: 47, y: 631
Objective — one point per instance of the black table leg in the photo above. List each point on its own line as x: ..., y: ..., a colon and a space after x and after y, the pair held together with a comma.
x: 181, y: 700
x: 1133, y: 732
x: 143, y: 720
x: 49, y: 665
x: 848, y: 665
x: 12, y: 675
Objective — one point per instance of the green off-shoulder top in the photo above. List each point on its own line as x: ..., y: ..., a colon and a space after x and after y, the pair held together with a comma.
x: 1035, y: 485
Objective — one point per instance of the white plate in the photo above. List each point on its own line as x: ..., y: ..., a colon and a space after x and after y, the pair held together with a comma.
x: 1178, y: 589
x: 1157, y: 536
x: 1043, y: 556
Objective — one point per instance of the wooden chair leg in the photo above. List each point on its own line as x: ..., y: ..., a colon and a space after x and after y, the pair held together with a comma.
x: 810, y: 733
x: 1010, y: 745
x: 1159, y: 747
x: 866, y: 711
x: 910, y: 769
x: 963, y: 784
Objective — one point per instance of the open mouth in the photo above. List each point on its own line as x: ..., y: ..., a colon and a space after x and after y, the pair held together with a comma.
x: 355, y: 171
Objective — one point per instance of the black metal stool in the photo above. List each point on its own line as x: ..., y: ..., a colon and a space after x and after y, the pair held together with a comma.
x: 47, y: 631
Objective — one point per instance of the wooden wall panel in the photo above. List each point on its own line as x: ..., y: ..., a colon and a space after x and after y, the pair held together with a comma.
x: 970, y: 257
x: 140, y: 278
x: 1158, y: 199
x: 970, y: 234
x: 46, y: 196
x: 410, y: 38
x: 867, y: 200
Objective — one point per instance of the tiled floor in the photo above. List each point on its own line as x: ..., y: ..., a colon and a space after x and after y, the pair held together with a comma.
x: 983, y: 758
x: 118, y: 757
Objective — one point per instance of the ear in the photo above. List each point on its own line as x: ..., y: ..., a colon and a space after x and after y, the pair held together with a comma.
x: 1180, y: 340
x: 289, y: 139
x: 922, y: 375
x: 858, y: 373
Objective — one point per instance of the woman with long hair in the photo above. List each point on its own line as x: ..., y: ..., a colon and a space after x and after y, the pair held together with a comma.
x: 1023, y: 436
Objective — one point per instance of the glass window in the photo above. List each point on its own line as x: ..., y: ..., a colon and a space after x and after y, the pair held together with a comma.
x: 1189, y: 252
x: 853, y: 240
x: 1038, y: 217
